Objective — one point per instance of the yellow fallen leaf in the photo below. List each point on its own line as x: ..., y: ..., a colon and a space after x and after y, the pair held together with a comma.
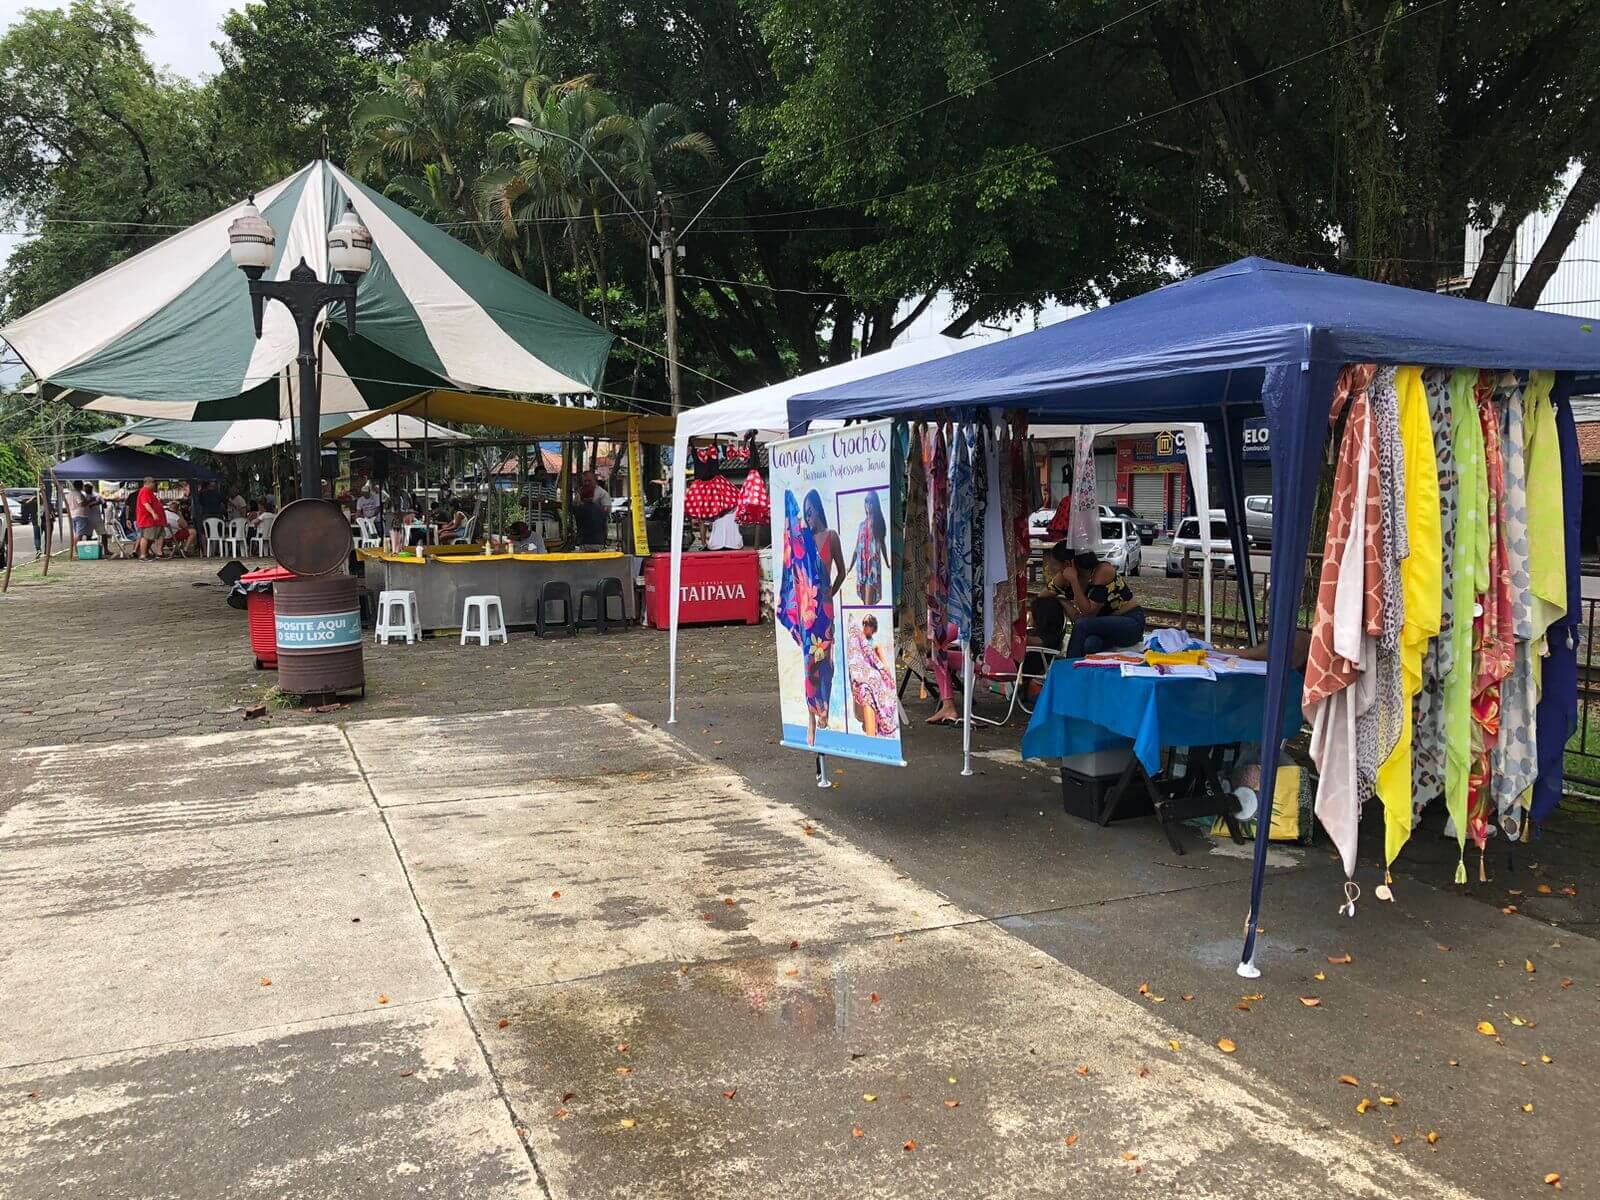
x: 1388, y: 1101
x: 869, y: 1097
x: 1366, y: 1103
x: 1311, y: 1001
x: 1546, y: 1059
x: 1544, y: 889
x: 1226, y: 1045
x: 1158, y: 999
x: 1527, y: 965
x: 624, y: 1070
x: 627, y: 1122
x: 1433, y: 1138
x: 1252, y: 997
x: 1351, y: 1080
x: 1320, y: 976
x: 1553, y: 1178
x: 1528, y: 1107
x: 383, y: 999
x: 1144, y: 989
x: 1128, y: 1156
x: 952, y: 1079
x: 1486, y: 1028
x: 1518, y: 1022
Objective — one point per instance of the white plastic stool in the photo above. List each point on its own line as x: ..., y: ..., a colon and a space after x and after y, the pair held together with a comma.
x: 397, y: 617
x: 491, y: 620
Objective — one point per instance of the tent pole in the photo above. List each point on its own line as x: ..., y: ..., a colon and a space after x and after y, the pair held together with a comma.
x: 50, y: 528
x: 680, y: 457
x: 966, y: 710
x: 11, y: 552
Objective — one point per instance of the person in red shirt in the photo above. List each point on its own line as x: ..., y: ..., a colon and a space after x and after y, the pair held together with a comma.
x: 150, y: 515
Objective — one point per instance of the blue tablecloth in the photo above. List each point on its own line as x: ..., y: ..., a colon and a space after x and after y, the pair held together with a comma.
x: 1094, y: 708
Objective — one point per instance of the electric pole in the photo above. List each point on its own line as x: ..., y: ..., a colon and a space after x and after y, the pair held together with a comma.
x: 669, y: 265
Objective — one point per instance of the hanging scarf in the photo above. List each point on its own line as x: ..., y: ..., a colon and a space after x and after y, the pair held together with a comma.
x: 1428, y: 747
x: 804, y: 608
x: 1024, y: 481
x: 938, y: 613
x: 1493, y: 644
x: 958, y: 534
x: 1558, y: 702
x: 1083, y: 521
x: 1514, y: 760
x: 1003, y: 614
x: 1378, y: 728
x: 1421, y: 581
x: 978, y: 451
x: 911, y: 588
x: 1338, y: 687
x: 1470, y: 568
x: 1547, y: 560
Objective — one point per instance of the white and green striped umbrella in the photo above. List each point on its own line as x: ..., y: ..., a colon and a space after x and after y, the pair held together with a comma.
x: 248, y: 434
x: 172, y: 326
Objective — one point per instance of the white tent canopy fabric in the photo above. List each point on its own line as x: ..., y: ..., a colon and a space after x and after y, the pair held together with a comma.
x: 766, y: 410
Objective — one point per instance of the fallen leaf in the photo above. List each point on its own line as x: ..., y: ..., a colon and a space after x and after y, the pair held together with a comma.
x: 1083, y: 1070
x: 407, y: 1074
x: 794, y: 945
x: 1486, y: 1028
x: 952, y: 1104
x: 1546, y: 1059
x: 383, y: 999
x: 809, y: 832
x: 1186, y: 999
x: 1566, y: 983
x: 1143, y: 1071
x: 561, y: 1114
x: 1518, y: 1022
x: 856, y: 1131
x: 952, y: 1079
x: 1158, y: 999
x: 1388, y: 1101
x: 1544, y: 889
x: 1071, y: 1139
x: 265, y: 982
x: 909, y: 1146
x: 705, y: 916
x: 1144, y: 989
x: 730, y: 1093
x: 1513, y: 891
x: 899, y: 937
x: 622, y: 1047
x: 1242, y: 1006
x: 627, y: 1122
x: 1128, y: 1156
x: 792, y: 971
x: 624, y: 1070
x: 565, y: 1096
x: 1509, y: 909
x: 1396, y: 1138
x: 1174, y: 1046
x: 729, y: 901
x: 1528, y: 1107
x: 555, y: 895
x: 1443, y: 947
x: 1342, y: 960
x: 1320, y: 976
x: 1433, y: 1137
x: 1569, y: 890
x: 869, y: 1097
x: 504, y: 1022
x: 1351, y: 1080
x: 1226, y: 1045
x: 1454, y: 1063
x: 873, y: 998
x: 1553, y: 1178
x: 1366, y: 1103
x: 1311, y: 1001
x: 1252, y: 997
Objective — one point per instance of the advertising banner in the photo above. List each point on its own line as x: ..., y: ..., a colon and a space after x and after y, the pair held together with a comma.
x: 831, y: 504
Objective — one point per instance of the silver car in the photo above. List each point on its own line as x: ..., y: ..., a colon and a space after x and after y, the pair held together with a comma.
x: 1258, y: 519
x: 1119, y: 545
x: 1186, y: 545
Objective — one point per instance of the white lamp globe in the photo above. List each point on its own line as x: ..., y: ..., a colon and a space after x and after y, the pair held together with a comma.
x: 349, y: 246
x: 252, y: 242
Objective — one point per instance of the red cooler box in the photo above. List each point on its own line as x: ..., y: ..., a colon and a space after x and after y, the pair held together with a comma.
x: 715, y: 586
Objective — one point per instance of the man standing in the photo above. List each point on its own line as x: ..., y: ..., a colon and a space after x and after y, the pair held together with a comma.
x: 82, y: 527
x: 601, y: 496
x: 150, y: 515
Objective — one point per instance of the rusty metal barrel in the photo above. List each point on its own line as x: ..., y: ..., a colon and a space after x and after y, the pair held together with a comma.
x: 318, y: 627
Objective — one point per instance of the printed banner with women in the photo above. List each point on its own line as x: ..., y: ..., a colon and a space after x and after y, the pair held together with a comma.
x: 835, y: 607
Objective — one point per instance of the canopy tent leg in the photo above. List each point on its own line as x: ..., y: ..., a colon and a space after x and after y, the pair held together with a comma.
x: 1296, y: 399
x: 1223, y: 430
x: 680, y: 458
x: 822, y: 772
x: 966, y: 710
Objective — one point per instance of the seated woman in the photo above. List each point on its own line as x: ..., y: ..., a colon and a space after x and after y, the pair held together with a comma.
x: 1102, y: 606
x: 450, y: 529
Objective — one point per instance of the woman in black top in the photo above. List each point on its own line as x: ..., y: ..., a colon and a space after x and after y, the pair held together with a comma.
x: 1104, y: 611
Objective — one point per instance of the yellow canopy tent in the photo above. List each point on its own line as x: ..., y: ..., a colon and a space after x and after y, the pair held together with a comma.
x: 535, y: 420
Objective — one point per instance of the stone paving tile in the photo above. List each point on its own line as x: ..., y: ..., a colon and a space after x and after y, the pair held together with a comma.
x: 113, y: 649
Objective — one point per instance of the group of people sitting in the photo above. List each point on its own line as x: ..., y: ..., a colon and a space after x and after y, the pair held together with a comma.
x: 156, y: 527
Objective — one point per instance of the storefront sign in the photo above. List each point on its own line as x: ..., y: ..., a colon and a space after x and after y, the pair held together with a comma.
x: 1158, y: 452
x: 835, y: 604
x: 1257, y: 440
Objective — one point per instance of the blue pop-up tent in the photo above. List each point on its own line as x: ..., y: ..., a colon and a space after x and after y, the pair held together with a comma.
x: 119, y: 463
x: 1250, y: 339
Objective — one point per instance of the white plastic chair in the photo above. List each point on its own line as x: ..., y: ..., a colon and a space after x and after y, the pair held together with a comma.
x: 216, y: 536
x: 261, y: 539
x: 236, y: 543
x: 368, y: 538
x: 491, y: 620
x: 467, y: 530
x: 397, y: 617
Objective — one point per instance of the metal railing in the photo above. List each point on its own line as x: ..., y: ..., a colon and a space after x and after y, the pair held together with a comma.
x: 1582, y: 765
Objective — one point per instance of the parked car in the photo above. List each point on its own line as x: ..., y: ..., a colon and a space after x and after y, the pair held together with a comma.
x: 1119, y: 545
x: 1186, y: 543
x: 1258, y: 519
x: 1146, y: 527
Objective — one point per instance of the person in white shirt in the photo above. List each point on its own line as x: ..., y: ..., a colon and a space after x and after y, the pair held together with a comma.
x: 601, y: 496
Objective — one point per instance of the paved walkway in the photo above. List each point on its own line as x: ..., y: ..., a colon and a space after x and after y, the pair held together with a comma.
x: 554, y: 954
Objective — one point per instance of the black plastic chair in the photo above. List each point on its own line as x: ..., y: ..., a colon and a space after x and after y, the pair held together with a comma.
x: 599, y: 593
x: 556, y: 590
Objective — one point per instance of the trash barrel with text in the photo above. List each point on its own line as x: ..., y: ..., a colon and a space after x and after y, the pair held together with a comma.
x: 318, y: 626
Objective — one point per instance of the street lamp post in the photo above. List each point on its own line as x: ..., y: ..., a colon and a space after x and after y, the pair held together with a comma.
x: 252, y: 244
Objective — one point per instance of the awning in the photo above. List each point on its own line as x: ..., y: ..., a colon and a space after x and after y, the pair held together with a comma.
x: 250, y: 434
x: 518, y: 416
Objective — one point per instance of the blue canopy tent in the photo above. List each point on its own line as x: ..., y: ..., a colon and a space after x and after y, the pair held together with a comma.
x: 1249, y: 339
x: 120, y: 463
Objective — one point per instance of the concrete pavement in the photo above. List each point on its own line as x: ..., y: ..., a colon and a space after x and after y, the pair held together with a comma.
x: 554, y: 953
